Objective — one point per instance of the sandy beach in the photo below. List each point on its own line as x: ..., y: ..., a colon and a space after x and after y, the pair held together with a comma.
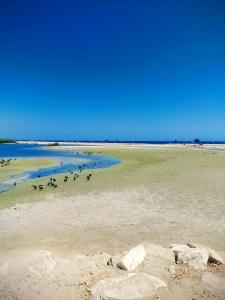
x: 160, y: 194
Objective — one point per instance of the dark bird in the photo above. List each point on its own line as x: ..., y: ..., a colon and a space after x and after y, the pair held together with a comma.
x: 89, y: 177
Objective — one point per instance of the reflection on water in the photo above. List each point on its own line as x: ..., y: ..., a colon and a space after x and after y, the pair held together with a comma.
x: 67, y: 161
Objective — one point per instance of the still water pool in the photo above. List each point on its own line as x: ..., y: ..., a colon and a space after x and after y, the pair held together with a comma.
x: 66, y: 161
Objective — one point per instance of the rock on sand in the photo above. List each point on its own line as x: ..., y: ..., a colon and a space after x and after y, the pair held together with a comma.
x: 132, y: 259
x: 135, y: 286
x: 197, y: 256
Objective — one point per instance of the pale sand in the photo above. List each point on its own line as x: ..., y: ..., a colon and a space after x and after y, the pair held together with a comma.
x: 71, y: 145
x: 112, y: 221
x: 76, y: 230
x: 99, y: 221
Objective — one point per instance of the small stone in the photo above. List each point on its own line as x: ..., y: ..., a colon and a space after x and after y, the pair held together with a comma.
x: 132, y: 259
x: 110, y: 262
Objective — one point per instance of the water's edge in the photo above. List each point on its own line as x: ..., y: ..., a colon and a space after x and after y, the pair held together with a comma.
x: 67, y: 161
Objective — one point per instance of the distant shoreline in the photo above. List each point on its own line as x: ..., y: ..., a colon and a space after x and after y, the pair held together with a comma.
x: 131, y: 145
x: 118, y: 142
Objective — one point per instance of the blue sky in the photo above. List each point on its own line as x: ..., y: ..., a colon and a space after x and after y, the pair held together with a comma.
x: 131, y: 70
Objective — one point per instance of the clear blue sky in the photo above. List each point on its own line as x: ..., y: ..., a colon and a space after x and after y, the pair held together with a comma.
x: 121, y: 69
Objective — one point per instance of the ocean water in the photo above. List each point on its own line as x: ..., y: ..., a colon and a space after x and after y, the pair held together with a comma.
x: 67, y: 161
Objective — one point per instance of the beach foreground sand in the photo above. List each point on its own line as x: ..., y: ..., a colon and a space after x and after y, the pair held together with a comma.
x: 55, y: 245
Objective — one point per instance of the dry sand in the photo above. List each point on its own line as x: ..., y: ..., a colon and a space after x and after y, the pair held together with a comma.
x: 110, y: 222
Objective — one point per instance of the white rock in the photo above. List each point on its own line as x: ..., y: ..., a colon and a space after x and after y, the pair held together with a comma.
x: 132, y: 259
x: 135, y: 286
x: 214, y: 257
x: 194, y: 257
